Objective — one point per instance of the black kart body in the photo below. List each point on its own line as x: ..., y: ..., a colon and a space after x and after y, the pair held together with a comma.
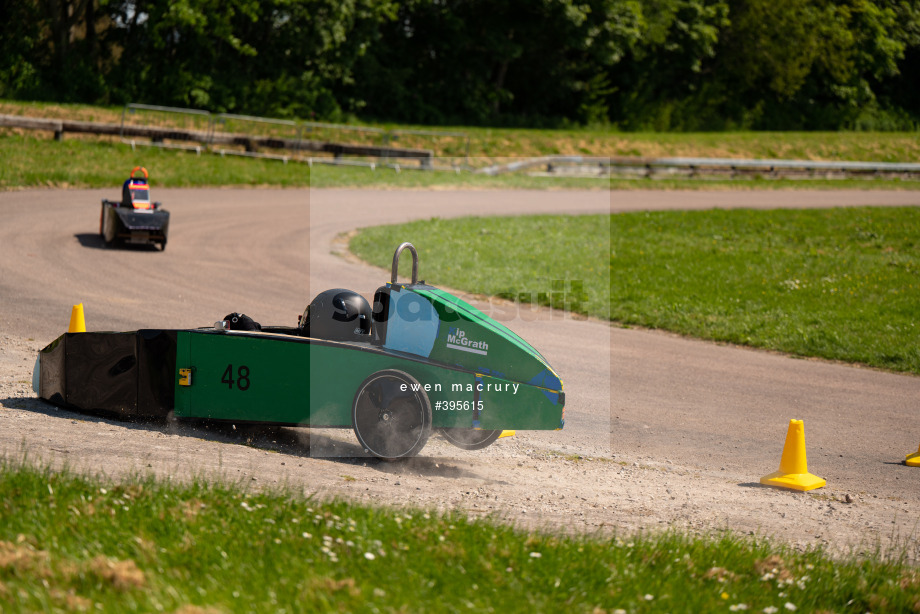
x: 121, y: 225
x: 135, y: 219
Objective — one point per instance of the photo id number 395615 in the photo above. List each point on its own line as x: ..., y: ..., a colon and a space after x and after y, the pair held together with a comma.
x: 457, y: 405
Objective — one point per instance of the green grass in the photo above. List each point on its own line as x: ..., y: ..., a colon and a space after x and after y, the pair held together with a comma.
x: 72, y: 543
x: 841, y: 284
x: 79, y: 163
x: 529, y: 259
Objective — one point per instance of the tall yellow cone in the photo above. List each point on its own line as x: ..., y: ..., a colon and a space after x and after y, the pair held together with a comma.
x: 913, y: 459
x: 793, y: 466
x: 77, y: 323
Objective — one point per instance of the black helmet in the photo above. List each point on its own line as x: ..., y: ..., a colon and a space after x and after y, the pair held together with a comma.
x: 339, y: 315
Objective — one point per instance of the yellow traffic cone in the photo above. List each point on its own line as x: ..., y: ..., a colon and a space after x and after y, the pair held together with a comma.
x: 77, y: 323
x: 913, y: 459
x: 793, y: 466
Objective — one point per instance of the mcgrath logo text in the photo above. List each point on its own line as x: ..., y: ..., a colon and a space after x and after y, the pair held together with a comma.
x: 457, y: 340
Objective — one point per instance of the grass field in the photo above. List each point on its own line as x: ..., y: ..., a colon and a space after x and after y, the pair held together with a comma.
x: 841, y: 284
x: 76, y: 544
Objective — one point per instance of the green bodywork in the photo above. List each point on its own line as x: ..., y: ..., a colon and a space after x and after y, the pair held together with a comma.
x: 476, y: 372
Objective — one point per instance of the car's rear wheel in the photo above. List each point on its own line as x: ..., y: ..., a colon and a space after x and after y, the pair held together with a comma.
x: 470, y: 439
x: 391, y: 415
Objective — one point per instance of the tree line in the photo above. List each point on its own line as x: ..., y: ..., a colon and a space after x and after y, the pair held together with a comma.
x: 649, y: 65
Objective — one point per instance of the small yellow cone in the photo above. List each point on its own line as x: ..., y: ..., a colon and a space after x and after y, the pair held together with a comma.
x: 506, y: 434
x: 793, y: 466
x: 77, y: 323
x: 913, y: 460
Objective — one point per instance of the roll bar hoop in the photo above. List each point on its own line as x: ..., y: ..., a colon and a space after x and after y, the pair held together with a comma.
x: 414, y: 262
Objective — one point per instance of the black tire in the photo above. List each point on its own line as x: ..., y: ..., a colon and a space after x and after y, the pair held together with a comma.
x: 391, y: 423
x: 102, y: 224
x: 470, y: 439
x: 163, y: 245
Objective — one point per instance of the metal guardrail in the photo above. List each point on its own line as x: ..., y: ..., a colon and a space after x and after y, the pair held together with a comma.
x: 701, y: 167
x: 203, y: 135
x: 386, y: 137
x: 173, y: 119
x: 257, y: 132
x: 186, y: 121
x: 771, y: 165
x: 343, y: 127
x: 245, y: 135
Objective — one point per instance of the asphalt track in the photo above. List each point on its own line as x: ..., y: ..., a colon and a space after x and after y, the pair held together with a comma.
x: 638, y: 393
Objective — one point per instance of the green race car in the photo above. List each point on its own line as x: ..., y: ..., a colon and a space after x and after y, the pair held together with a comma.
x: 420, y: 360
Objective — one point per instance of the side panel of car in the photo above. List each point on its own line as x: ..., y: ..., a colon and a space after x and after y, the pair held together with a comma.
x: 284, y: 379
x: 239, y: 377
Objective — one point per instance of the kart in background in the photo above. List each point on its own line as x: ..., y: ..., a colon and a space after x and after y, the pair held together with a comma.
x: 134, y: 219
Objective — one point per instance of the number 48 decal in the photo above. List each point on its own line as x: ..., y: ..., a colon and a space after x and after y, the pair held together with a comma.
x: 242, y: 377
